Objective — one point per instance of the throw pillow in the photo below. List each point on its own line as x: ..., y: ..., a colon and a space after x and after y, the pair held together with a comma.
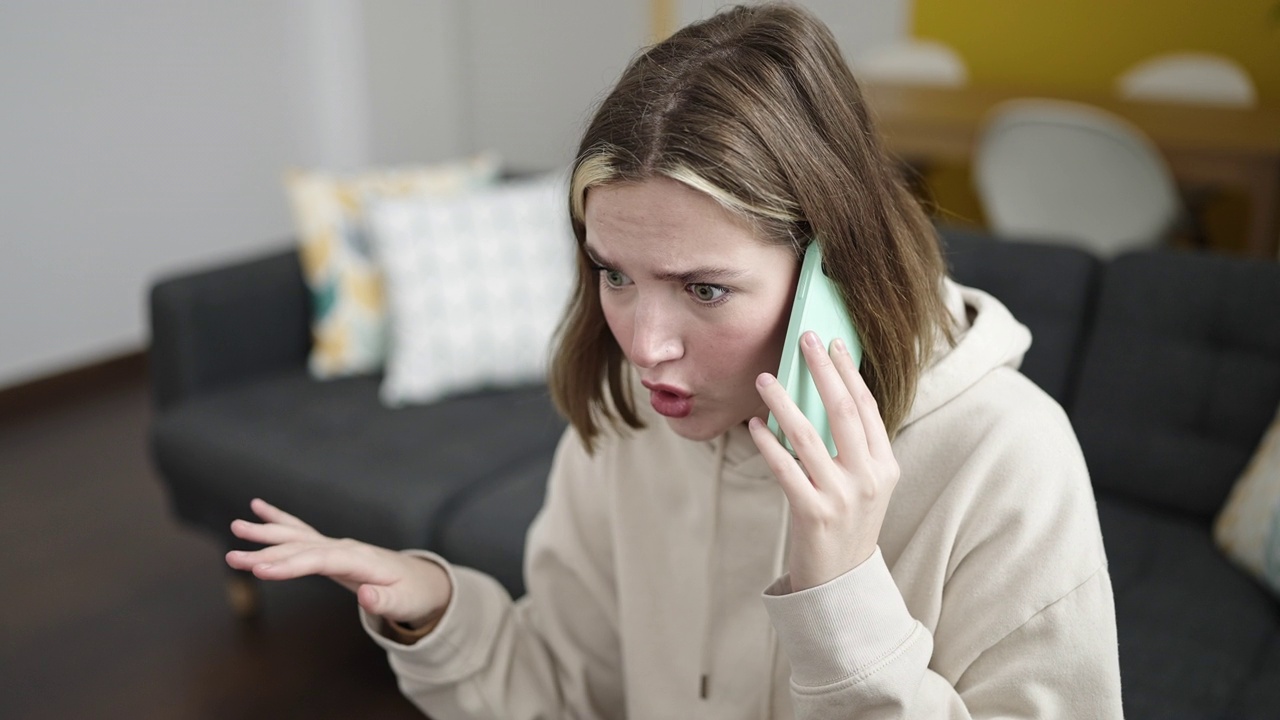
x: 1248, y: 527
x: 349, y: 324
x: 476, y: 285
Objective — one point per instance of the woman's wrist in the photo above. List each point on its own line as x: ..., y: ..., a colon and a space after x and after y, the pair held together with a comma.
x: 406, y: 633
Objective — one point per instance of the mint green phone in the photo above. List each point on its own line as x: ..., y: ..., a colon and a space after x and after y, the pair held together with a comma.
x: 817, y: 307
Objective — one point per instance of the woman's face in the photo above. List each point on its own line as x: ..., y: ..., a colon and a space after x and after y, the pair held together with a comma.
x: 697, y: 303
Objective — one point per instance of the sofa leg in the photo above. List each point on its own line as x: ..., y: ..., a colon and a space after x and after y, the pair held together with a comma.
x: 244, y: 593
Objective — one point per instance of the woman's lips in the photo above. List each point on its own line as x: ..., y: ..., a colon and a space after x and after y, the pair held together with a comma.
x: 669, y: 401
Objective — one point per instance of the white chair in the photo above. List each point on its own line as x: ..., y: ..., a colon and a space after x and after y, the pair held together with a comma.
x: 913, y: 62
x: 1189, y: 77
x: 1058, y: 171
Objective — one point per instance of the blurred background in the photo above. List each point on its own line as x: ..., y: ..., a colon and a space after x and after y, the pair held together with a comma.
x: 142, y: 138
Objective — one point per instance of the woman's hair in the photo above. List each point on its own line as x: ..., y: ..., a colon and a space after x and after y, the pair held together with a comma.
x: 756, y: 107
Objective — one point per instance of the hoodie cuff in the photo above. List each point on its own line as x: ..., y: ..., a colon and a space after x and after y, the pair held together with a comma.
x: 459, y: 642
x: 846, y: 628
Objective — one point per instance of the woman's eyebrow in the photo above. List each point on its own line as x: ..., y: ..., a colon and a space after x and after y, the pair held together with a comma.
x: 595, y: 256
x: 703, y: 274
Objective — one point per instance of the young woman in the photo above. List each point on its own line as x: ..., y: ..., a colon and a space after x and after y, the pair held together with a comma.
x: 945, y: 563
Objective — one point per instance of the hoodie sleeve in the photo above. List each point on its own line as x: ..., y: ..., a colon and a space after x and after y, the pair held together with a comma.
x: 552, y: 654
x: 857, y: 653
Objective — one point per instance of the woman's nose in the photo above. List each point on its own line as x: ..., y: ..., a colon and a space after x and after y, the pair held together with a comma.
x: 655, y: 337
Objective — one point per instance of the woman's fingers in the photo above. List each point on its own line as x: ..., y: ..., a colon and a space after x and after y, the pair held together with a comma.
x: 330, y: 558
x: 795, y: 485
x: 344, y: 560
x: 248, y: 559
x: 273, y: 514
x: 843, y: 413
x: 810, y: 448
x: 872, y: 425
x: 271, y: 533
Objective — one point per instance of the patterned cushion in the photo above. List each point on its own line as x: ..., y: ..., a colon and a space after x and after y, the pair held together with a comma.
x: 476, y: 284
x: 349, y: 325
x: 1248, y: 528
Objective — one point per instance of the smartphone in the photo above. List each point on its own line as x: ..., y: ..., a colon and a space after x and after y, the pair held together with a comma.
x: 817, y: 307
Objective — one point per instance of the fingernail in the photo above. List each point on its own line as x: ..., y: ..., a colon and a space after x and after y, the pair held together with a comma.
x: 764, y: 380
x: 838, y: 344
x: 811, y: 339
x: 263, y: 566
x: 754, y: 423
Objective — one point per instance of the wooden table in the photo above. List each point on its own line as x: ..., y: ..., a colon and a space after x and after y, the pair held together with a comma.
x: 1239, y: 148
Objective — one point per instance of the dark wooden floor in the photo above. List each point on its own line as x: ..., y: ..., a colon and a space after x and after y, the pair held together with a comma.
x: 111, y: 610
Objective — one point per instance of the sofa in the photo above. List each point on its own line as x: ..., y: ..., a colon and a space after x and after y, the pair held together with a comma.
x: 1168, y: 364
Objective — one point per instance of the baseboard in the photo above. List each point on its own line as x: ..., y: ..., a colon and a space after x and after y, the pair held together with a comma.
x: 35, y: 395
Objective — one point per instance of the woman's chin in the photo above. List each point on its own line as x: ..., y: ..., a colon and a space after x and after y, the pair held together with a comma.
x: 696, y: 429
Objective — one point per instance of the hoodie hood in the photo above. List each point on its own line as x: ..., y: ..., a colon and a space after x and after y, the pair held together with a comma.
x: 987, y: 337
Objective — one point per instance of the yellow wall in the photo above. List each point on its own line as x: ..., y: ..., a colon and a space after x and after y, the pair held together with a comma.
x: 1084, y: 44
x: 1081, y: 46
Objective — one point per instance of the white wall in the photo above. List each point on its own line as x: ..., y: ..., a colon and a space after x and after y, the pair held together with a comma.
x: 535, y: 71
x: 415, y: 80
x: 143, y: 137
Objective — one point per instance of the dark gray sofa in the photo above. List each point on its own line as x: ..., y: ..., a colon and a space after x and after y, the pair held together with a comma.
x: 1168, y: 364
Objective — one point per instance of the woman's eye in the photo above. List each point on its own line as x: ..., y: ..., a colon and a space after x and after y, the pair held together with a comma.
x: 707, y: 293
x: 613, y: 278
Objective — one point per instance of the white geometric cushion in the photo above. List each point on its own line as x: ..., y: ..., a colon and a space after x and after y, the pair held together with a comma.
x: 476, y: 285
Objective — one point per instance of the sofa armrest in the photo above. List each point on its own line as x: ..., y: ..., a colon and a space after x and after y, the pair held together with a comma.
x: 232, y: 323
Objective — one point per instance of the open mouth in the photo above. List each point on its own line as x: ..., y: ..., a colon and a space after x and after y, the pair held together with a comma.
x: 669, y: 401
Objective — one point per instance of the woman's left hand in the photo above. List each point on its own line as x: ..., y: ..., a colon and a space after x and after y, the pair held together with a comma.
x: 837, y: 504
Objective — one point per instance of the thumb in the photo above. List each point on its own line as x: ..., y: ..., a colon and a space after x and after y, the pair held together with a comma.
x: 373, y: 599
x: 389, y: 603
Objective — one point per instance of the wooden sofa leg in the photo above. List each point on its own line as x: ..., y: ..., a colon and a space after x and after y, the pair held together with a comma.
x: 244, y: 593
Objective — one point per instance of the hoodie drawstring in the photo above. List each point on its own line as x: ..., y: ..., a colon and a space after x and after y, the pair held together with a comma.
x: 704, y: 677
x: 783, y: 545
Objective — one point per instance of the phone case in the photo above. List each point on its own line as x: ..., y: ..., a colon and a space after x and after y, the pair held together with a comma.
x: 817, y: 307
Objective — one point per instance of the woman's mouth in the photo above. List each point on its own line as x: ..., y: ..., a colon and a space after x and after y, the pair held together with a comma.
x: 669, y: 401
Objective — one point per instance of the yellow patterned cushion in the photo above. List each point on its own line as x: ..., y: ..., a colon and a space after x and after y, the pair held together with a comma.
x: 349, y: 319
x: 1248, y: 527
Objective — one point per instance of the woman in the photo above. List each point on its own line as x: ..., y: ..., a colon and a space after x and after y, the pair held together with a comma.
x: 945, y: 563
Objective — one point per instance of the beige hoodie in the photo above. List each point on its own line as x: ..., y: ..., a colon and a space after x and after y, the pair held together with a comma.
x: 656, y: 584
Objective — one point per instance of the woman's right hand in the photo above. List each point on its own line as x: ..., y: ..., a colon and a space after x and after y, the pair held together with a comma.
x: 408, y: 590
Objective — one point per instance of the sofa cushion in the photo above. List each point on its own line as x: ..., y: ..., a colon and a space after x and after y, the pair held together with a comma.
x: 476, y: 285
x: 1192, y: 628
x: 332, y: 454
x: 1047, y: 288
x: 1180, y: 377
x: 1260, y: 696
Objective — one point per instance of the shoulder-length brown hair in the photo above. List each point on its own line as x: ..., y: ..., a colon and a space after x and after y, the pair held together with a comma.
x: 756, y: 107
